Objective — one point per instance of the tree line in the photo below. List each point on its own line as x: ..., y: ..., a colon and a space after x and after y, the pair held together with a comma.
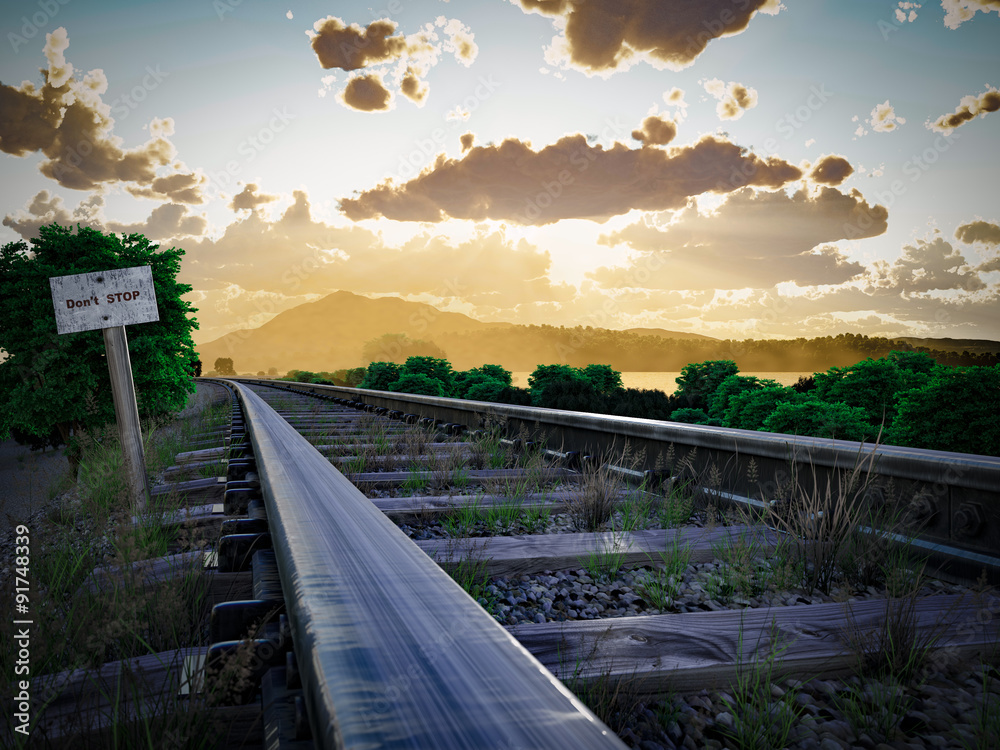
x: 903, y: 398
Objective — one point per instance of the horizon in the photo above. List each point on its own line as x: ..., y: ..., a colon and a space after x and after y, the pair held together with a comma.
x: 524, y: 167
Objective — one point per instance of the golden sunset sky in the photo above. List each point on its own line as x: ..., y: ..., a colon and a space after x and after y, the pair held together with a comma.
x: 736, y: 168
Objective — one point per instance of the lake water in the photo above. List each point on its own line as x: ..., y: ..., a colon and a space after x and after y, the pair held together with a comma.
x: 667, y: 381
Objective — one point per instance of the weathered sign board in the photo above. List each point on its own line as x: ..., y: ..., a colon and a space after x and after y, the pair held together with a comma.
x: 111, y: 300
x: 104, y: 299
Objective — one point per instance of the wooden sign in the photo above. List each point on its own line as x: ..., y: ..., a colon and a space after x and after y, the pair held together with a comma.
x: 104, y: 299
x: 111, y: 300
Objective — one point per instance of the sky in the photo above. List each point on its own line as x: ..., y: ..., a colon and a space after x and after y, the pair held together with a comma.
x: 735, y: 168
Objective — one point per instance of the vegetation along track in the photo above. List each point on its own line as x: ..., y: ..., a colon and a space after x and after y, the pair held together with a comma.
x: 688, y: 597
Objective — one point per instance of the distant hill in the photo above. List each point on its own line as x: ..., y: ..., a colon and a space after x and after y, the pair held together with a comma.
x: 330, y: 333
x: 664, y: 334
x: 973, y: 346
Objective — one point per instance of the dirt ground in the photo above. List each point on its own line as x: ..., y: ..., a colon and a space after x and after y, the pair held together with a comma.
x: 27, y: 480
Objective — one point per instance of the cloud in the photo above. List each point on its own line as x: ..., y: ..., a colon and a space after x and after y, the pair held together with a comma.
x: 979, y: 231
x: 655, y: 131
x: 167, y: 221
x: 352, y: 48
x: 906, y: 12
x: 831, y: 170
x: 969, y: 107
x: 249, y: 198
x: 461, y: 41
x: 755, y: 239
x: 413, y: 88
x: 883, y: 118
x: 734, y: 98
x: 929, y: 265
x: 958, y: 12
x: 571, y: 178
x: 467, y: 140
x: 68, y: 122
x: 603, y: 38
x: 367, y: 93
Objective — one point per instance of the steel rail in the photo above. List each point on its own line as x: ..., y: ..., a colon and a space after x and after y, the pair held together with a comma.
x: 392, y: 652
x: 954, y: 497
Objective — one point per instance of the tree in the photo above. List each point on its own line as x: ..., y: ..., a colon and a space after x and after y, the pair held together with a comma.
x: 433, y: 367
x: 718, y: 402
x: 956, y: 410
x: 196, y: 367
x: 694, y: 416
x: 380, y: 375
x: 224, y: 366
x: 874, y: 384
x: 272, y: 372
x: 820, y: 419
x: 603, y: 378
x: 545, y: 375
x: 50, y: 380
x: 749, y: 410
x: 417, y: 382
x: 698, y: 381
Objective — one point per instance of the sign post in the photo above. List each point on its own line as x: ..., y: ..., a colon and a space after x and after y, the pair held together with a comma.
x: 111, y: 300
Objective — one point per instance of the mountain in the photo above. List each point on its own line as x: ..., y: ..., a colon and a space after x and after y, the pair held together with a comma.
x: 330, y: 333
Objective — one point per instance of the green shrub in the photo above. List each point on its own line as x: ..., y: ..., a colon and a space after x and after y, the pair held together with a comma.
x: 435, y: 368
x: 417, y: 383
x: 956, y: 410
x: 875, y: 384
x: 748, y: 410
x: 718, y: 402
x: 380, y: 375
x: 820, y: 419
x: 694, y: 416
x: 699, y: 380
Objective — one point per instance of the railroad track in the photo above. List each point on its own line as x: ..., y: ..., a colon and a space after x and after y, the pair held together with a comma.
x: 356, y: 636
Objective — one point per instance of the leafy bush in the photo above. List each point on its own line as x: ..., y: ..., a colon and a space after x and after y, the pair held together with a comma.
x: 572, y: 395
x: 380, y: 375
x: 820, y: 419
x: 417, y: 383
x: 514, y: 396
x: 694, y: 416
x: 465, y: 381
x: 748, y: 410
x: 433, y: 367
x: 956, y: 410
x: 639, y: 402
x: 487, y: 390
x: 604, y: 379
x: 699, y: 380
x: 875, y: 384
x: 718, y: 402
x: 544, y: 376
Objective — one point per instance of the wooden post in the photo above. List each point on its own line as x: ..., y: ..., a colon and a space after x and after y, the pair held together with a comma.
x: 127, y: 413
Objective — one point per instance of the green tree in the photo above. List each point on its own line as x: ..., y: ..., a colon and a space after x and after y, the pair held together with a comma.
x: 874, y: 384
x: 605, y: 379
x: 718, y: 402
x: 380, y: 375
x: 417, y: 382
x: 61, y: 381
x: 698, y: 381
x: 224, y: 366
x: 433, y: 367
x: 956, y: 410
x: 820, y: 419
x: 749, y: 410
x: 694, y: 416
x: 545, y: 375
x: 486, y: 375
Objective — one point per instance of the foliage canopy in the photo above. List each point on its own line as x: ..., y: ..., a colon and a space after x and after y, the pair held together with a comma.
x: 61, y: 381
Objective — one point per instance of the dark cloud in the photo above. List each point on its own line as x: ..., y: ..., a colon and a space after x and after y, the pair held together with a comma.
x: 601, y: 37
x: 351, y: 48
x: 979, y: 231
x: 467, y: 140
x: 968, y: 109
x: 250, y: 198
x: 831, y: 170
x: 570, y: 179
x: 656, y: 131
x: 755, y: 239
x: 67, y: 121
x: 367, y: 93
